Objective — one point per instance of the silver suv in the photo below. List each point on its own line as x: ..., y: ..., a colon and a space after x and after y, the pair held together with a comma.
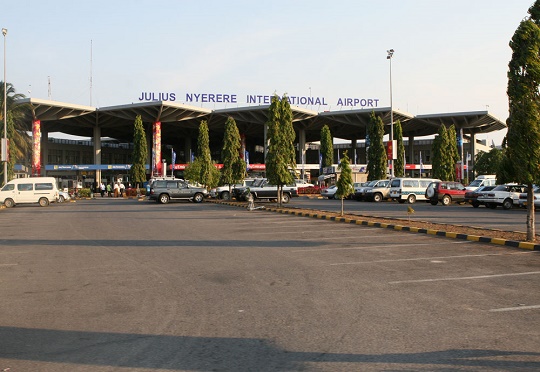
x: 162, y: 191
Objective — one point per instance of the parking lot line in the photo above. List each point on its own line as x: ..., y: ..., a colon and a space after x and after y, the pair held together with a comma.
x: 427, y: 258
x: 463, y: 278
x: 516, y: 308
x: 364, y: 247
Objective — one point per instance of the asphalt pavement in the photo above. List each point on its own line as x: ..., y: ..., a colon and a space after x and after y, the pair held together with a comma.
x: 126, y: 285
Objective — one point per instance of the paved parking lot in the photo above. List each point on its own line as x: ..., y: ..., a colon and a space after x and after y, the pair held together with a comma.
x: 108, y: 284
x: 511, y: 220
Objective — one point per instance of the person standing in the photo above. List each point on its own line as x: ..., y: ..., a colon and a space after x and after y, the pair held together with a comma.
x: 116, y: 189
x: 102, y: 189
x: 109, y: 190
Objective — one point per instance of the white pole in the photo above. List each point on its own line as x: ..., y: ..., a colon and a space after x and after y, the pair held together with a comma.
x: 4, y: 32
x: 391, y: 139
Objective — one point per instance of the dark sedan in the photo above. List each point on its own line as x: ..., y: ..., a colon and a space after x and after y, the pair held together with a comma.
x: 471, y: 197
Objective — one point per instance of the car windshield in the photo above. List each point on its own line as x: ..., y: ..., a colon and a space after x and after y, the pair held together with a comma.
x: 372, y: 183
x: 475, y: 183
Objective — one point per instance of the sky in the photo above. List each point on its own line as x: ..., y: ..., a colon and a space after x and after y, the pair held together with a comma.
x: 450, y: 56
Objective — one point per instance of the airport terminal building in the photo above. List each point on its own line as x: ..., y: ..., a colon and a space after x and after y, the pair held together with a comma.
x: 173, y: 127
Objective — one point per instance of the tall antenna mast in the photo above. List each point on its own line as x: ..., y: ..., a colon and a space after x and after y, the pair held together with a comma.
x: 49, y: 85
x: 90, y: 72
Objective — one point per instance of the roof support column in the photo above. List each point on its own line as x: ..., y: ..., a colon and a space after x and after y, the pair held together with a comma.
x: 36, y: 148
x: 156, y: 150
x: 188, y: 150
x: 302, y: 151
x: 354, y: 147
x: 473, y: 155
x: 97, y: 154
x: 410, y: 146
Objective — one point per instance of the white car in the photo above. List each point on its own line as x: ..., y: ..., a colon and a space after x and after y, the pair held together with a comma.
x: 63, y: 196
x: 222, y: 192
x: 329, y: 192
x: 522, y: 201
x: 360, y: 192
x: 504, y: 195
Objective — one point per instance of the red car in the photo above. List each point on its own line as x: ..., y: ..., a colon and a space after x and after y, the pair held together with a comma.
x: 445, y: 192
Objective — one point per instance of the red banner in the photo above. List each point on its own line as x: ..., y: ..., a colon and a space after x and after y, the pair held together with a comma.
x: 36, y: 153
x: 156, y: 149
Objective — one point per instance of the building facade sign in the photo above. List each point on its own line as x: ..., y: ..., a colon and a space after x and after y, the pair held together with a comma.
x: 258, y: 99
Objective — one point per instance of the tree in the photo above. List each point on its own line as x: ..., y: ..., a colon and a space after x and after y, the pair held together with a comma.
x: 522, y: 141
x: 203, y: 170
x: 327, y: 147
x: 488, y: 162
x: 453, y: 152
x: 345, y: 186
x: 280, y: 159
x: 234, y: 168
x: 140, y: 153
x: 377, y: 158
x: 442, y: 162
x: 399, y: 163
x: 20, y: 143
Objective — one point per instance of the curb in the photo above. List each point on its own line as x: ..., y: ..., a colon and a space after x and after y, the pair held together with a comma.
x: 365, y: 222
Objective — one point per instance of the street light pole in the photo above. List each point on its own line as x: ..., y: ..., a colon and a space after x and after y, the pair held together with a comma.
x: 389, y: 57
x: 4, y: 32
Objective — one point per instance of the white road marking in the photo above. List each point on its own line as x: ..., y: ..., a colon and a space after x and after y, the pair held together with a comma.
x: 359, y: 248
x: 427, y: 258
x: 515, y: 308
x: 464, y: 278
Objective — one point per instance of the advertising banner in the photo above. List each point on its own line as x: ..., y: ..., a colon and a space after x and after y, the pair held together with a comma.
x: 36, y: 153
x: 156, y: 150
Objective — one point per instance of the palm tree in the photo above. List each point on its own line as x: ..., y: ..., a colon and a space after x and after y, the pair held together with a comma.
x: 18, y: 117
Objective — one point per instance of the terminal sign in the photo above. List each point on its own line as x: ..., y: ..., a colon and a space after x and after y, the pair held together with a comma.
x: 259, y: 99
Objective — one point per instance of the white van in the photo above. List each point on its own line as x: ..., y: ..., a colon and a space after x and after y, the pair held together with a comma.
x: 41, y: 190
x: 483, y: 180
x: 409, y: 189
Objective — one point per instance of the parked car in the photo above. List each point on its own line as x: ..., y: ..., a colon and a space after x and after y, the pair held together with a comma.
x: 522, y: 201
x: 63, y: 196
x: 222, y: 192
x: 445, y: 192
x: 360, y: 192
x: 504, y: 195
x: 471, y: 197
x: 409, y: 189
x: 162, y: 191
x: 40, y: 190
x: 378, y: 193
x: 261, y: 189
x: 329, y: 192
x: 302, y: 183
x: 482, y: 180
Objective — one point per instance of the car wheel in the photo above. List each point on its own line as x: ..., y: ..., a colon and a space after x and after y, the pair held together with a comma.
x: 61, y: 199
x: 507, y: 204
x: 377, y: 197
x: 285, y: 198
x: 198, y: 197
x: 225, y: 195
x: 430, y: 192
x: 9, y: 203
x: 411, y: 199
x: 43, y: 202
x: 446, y: 200
x: 164, y: 198
x: 434, y: 202
x: 475, y: 204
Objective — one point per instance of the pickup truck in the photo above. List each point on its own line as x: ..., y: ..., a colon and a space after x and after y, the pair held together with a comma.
x: 262, y: 190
